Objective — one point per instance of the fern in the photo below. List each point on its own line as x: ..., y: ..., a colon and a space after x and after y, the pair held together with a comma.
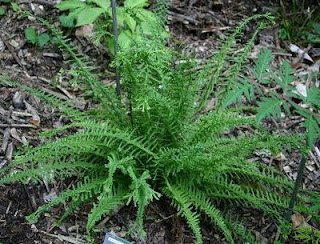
x: 214, y: 68
x: 91, y: 187
x: 107, y: 202
x: 148, y: 143
x: 183, y: 204
x: 202, y: 202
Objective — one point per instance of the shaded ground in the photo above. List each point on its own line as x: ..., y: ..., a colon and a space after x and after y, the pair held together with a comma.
x: 197, y: 27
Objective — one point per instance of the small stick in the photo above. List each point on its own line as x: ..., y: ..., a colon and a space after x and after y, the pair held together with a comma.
x: 17, y: 126
x: 5, y: 140
x: 9, y: 151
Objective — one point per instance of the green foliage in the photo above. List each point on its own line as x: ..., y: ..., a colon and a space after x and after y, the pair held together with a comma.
x: 314, y: 35
x: 158, y: 141
x: 299, y: 21
x: 39, y: 39
x: 308, y: 235
x: 2, y: 11
x: 133, y: 19
x: 275, y: 102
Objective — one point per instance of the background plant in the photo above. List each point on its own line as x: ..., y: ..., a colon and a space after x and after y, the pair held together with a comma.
x: 36, y: 38
x: 158, y: 136
x: 133, y: 19
x: 291, y: 14
x: 275, y: 93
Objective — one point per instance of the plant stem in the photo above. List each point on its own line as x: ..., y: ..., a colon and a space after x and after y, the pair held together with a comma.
x: 116, y: 46
x: 296, y: 187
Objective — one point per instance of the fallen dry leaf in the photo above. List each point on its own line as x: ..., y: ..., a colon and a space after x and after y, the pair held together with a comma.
x: 295, y: 49
x: 297, y: 220
x: 85, y: 31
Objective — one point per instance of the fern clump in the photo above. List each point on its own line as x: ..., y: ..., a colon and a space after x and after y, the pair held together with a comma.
x: 156, y: 142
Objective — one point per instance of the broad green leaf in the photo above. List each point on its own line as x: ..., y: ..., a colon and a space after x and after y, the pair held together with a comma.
x: 31, y: 35
x: 125, y: 40
x: 121, y: 16
x: 268, y: 107
x: 75, y: 12
x: 135, y: 3
x: 312, y: 129
x: 2, y: 11
x: 316, y: 28
x: 313, y: 96
x: 67, y: 20
x: 105, y: 4
x: 71, y: 4
x: 43, y: 39
x: 15, y: 7
x: 130, y: 22
x: 146, y: 16
x: 88, y: 16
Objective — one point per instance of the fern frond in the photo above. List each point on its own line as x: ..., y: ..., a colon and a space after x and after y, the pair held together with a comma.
x: 210, y: 125
x: 268, y: 202
x: 182, y: 202
x: 235, y: 68
x: 83, y: 67
x: 200, y: 200
x: 94, y: 139
x: 106, y: 203
x: 141, y: 195
x: 240, y: 230
x: 59, y: 169
x: 91, y: 187
x: 212, y: 71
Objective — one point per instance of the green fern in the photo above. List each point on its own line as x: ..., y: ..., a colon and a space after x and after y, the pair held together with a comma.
x: 183, y: 203
x: 157, y: 136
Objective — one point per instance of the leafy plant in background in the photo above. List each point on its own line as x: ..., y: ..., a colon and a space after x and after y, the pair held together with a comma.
x: 156, y: 141
x: 2, y: 9
x: 275, y: 93
x: 297, y: 19
x: 36, y: 38
x: 314, y: 35
x: 133, y: 19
